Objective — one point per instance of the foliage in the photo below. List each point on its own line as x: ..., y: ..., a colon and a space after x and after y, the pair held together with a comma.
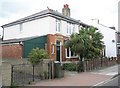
x: 36, y: 55
x: 80, y: 66
x: 70, y: 66
x: 87, y: 43
x: 13, y: 85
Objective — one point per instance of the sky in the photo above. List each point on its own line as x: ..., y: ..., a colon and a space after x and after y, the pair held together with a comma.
x: 104, y: 10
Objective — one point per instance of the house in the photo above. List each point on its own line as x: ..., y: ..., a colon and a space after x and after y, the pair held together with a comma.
x: 118, y: 43
x: 47, y: 29
x: 109, y: 33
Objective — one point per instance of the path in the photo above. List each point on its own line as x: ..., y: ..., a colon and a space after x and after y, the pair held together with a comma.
x: 81, y: 79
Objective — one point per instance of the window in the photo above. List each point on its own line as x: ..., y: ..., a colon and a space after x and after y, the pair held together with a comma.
x: 58, y: 24
x: 67, y: 28
x: 69, y: 53
x: 21, y: 27
x: 70, y: 28
x: 73, y: 28
x: 53, y: 48
x: 118, y: 50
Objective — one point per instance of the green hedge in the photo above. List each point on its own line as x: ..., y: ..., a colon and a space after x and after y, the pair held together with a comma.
x: 70, y: 66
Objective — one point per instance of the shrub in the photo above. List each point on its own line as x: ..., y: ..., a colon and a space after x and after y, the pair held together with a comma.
x: 70, y: 66
x: 80, y: 66
x: 36, y: 55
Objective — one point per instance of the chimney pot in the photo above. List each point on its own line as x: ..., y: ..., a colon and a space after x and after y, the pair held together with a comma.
x: 66, y: 10
x: 64, y: 6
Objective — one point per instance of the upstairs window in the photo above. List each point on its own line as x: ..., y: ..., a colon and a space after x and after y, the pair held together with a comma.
x: 21, y: 27
x: 58, y: 25
x: 73, y: 28
x: 70, y: 28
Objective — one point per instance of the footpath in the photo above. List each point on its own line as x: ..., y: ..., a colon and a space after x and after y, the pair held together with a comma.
x: 93, y: 78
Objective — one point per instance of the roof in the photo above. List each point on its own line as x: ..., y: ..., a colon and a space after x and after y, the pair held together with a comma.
x: 17, y: 40
x: 45, y: 13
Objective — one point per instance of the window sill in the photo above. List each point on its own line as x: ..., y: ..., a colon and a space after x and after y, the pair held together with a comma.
x: 52, y: 53
x: 73, y: 57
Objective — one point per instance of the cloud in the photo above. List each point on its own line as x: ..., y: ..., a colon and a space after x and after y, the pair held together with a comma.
x: 9, y: 7
x: 104, y: 10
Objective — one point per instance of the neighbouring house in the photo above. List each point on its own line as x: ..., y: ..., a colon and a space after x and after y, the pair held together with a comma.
x: 109, y: 33
x: 47, y: 29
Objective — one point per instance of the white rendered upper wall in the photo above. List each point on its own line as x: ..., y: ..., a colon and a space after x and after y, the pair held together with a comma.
x: 28, y: 29
x: 38, y: 27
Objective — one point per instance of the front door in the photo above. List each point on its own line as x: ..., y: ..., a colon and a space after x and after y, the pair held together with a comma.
x: 58, y: 50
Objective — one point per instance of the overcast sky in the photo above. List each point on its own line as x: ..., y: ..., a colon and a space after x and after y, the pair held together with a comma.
x: 104, y: 10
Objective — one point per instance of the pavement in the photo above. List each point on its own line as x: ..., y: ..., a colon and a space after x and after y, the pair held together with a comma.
x: 82, y: 79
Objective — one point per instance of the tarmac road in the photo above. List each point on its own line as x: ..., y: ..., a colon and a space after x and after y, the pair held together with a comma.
x: 112, y: 83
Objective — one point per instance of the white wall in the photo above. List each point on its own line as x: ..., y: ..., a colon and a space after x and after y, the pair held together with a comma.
x: 63, y: 30
x: 32, y: 28
x: 109, y: 35
x: 11, y: 32
x: 37, y: 27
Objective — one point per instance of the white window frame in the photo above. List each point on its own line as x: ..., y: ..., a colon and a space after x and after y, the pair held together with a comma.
x: 70, y: 54
x: 53, y: 49
x: 73, y: 28
x: 70, y: 28
x: 58, y: 26
x: 67, y: 28
x: 21, y: 27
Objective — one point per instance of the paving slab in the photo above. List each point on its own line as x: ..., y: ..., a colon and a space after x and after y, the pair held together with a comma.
x: 81, y: 79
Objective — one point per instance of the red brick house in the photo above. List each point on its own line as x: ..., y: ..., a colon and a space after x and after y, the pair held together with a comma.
x: 47, y: 29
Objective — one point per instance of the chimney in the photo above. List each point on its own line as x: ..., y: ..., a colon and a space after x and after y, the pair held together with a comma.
x: 66, y: 10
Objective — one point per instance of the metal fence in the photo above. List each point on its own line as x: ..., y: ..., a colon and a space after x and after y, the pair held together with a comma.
x: 27, y: 73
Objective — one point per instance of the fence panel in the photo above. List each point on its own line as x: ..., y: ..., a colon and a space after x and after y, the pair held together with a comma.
x: 22, y: 74
x: 26, y: 73
x: 93, y: 64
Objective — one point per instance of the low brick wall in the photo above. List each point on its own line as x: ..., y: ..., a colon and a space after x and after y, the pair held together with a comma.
x: 11, y: 51
x: 6, y: 74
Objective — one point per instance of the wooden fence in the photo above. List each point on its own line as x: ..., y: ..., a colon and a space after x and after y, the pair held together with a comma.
x: 93, y: 64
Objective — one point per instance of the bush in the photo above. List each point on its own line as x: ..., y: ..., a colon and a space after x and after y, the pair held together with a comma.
x: 70, y: 66
x: 36, y: 55
x: 80, y: 66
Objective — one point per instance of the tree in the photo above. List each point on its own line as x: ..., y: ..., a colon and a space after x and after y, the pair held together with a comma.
x: 87, y: 43
x: 36, y: 55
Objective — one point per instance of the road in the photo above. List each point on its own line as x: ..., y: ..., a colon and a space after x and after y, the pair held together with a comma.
x: 114, y: 82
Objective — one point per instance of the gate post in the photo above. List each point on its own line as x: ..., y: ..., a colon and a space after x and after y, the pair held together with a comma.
x: 12, y: 74
x: 33, y: 72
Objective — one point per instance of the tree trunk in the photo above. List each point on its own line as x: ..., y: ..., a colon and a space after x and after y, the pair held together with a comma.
x: 80, y: 65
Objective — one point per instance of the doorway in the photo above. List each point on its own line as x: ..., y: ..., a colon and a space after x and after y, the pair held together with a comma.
x: 58, y: 51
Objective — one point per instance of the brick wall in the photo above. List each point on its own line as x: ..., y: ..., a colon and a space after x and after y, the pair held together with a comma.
x: 51, y: 39
x: 12, y: 51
